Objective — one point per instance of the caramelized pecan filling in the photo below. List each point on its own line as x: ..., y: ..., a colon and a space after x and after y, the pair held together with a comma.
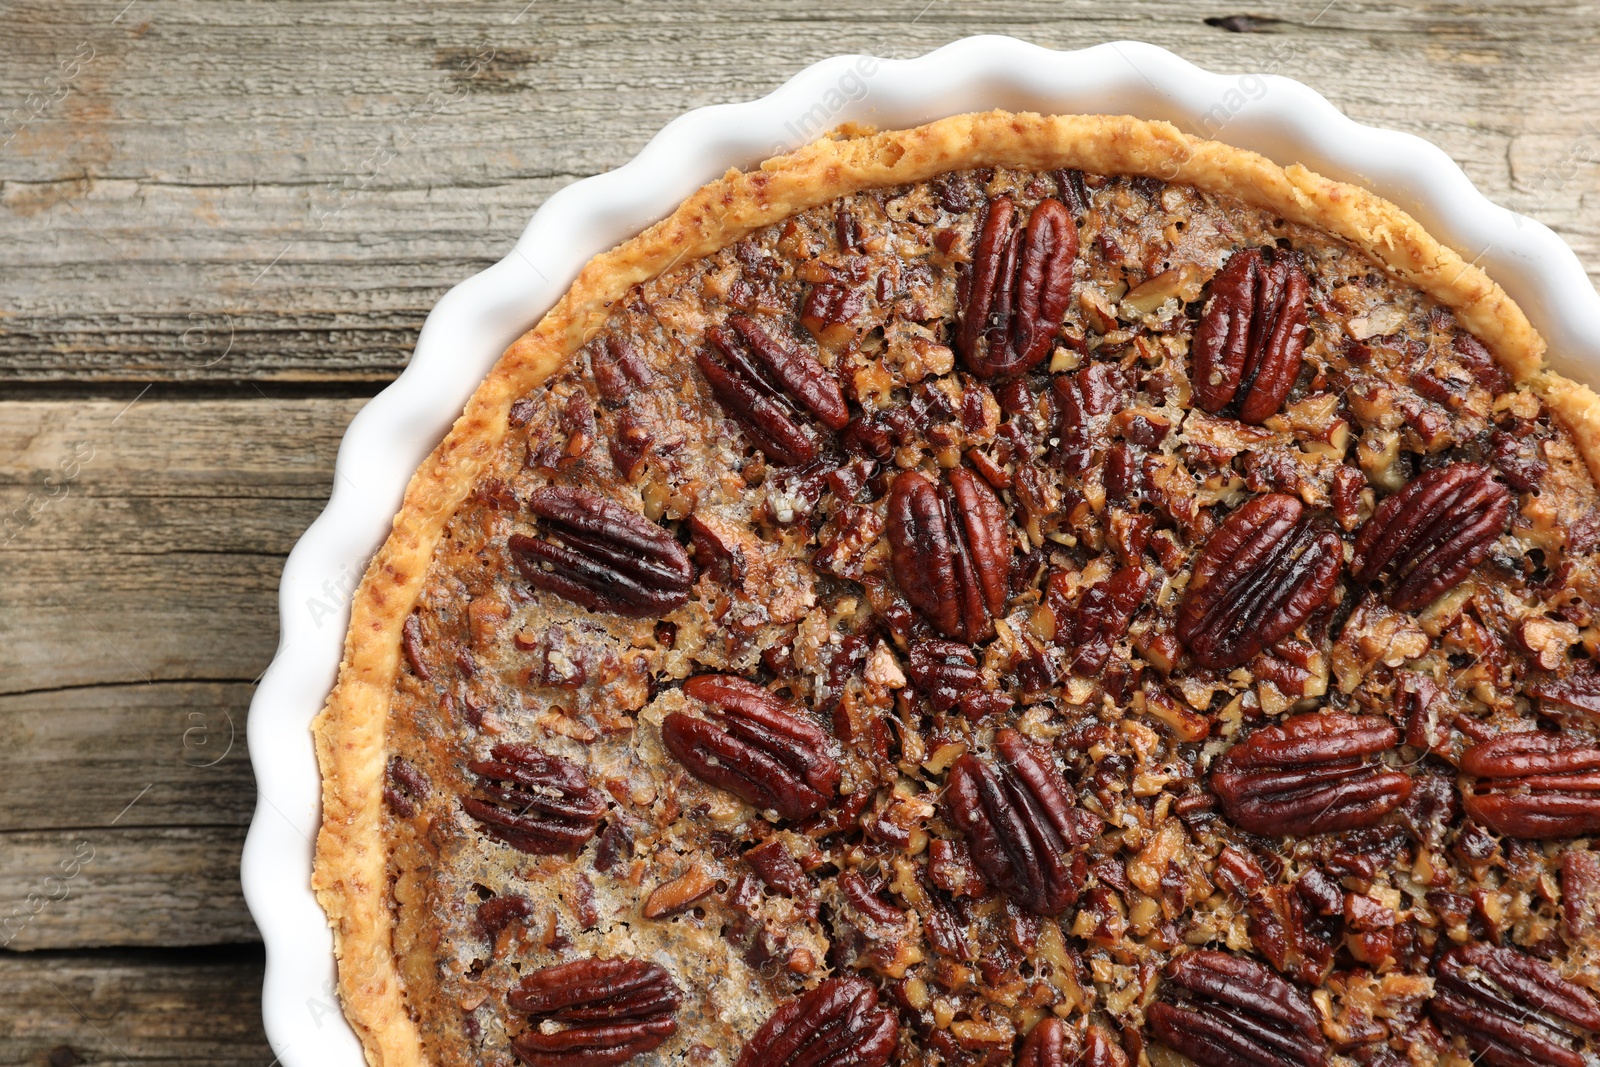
x: 1020, y: 617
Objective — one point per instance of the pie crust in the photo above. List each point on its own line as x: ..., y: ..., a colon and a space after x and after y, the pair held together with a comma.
x: 352, y: 875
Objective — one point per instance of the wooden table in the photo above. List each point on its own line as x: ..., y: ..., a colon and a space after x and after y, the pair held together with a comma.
x: 221, y: 225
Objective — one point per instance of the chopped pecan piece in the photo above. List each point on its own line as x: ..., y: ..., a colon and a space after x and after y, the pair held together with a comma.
x: 1311, y: 774
x: 619, y: 371
x: 411, y: 644
x: 828, y: 311
x: 1104, y: 611
x: 577, y: 419
x: 1101, y: 1050
x: 1045, y: 1045
x: 1579, y: 691
x: 950, y: 551
x: 613, y: 1010
x: 1535, y: 785
x: 1081, y: 399
x: 1580, y: 895
x: 1073, y: 191
x: 837, y: 1024
x: 1480, y: 362
x: 615, y: 844
x: 777, y: 868
x: 1248, y: 345
x: 1346, y: 493
x: 865, y: 899
x: 404, y: 787
x: 536, y: 803
x: 1430, y: 535
x: 1017, y: 293
x: 497, y: 913
x: 753, y: 745
x: 1260, y: 575
x: 1511, y: 1009
x: 768, y: 384
x: 671, y: 897
x: 943, y: 672
x: 950, y: 868
x: 604, y: 556
x: 1025, y: 832
x: 1227, y: 1011
x: 630, y: 442
x: 718, y: 548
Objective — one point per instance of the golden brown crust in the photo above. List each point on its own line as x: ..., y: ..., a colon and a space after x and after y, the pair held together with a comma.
x: 350, y: 877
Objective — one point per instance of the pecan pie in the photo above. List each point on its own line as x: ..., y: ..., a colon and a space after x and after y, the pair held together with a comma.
x: 1039, y: 590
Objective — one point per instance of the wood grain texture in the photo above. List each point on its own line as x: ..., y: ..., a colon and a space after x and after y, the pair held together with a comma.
x: 179, y: 748
x: 143, y: 542
x: 142, y: 545
x: 197, y: 1009
x: 260, y: 200
x: 123, y: 886
x: 280, y: 191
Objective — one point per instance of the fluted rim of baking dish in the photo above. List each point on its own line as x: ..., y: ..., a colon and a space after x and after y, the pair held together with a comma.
x: 473, y: 323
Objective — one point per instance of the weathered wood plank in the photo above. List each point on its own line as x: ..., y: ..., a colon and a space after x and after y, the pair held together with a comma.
x: 142, y: 546
x: 294, y: 216
x: 215, y: 449
x: 73, y: 759
x: 196, y: 1009
x: 69, y: 618
x: 144, y: 542
x: 122, y: 885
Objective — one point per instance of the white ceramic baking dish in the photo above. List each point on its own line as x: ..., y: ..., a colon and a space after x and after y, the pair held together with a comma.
x: 476, y: 320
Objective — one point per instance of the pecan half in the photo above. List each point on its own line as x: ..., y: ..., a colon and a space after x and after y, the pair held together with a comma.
x: 950, y: 551
x: 603, y: 556
x: 1102, y: 617
x: 983, y: 523
x: 1259, y: 576
x: 1511, y: 1009
x: 1252, y: 332
x: 1017, y: 293
x: 613, y: 1009
x: 837, y: 1024
x: 1311, y: 774
x: 1226, y: 1011
x: 769, y: 385
x: 1025, y: 833
x: 534, y: 802
x: 1428, y: 536
x: 754, y: 745
x: 1535, y: 785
